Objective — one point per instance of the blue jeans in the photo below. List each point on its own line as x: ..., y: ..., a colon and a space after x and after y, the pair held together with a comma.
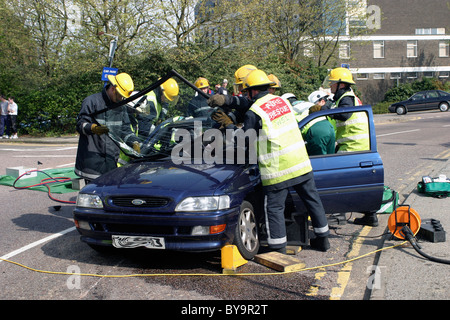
x: 4, y: 125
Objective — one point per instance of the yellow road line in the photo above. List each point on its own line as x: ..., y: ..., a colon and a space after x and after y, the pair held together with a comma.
x: 344, y: 273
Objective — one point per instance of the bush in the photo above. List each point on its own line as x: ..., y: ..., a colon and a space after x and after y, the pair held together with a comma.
x: 406, y: 90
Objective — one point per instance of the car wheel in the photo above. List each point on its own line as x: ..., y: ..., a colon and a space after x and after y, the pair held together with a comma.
x: 246, y: 233
x: 443, y: 106
x: 400, y: 110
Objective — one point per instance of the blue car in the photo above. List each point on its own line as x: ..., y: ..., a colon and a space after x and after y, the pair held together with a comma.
x: 176, y: 196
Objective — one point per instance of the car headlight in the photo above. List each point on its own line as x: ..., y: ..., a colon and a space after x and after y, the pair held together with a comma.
x: 89, y: 201
x: 204, y: 203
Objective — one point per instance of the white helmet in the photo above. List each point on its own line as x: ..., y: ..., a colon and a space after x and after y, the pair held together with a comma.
x: 316, y: 96
x: 289, y: 95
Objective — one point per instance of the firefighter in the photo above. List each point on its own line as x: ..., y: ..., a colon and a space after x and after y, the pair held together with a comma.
x: 352, y: 129
x: 276, y: 83
x: 98, y: 154
x: 161, y: 98
x: 282, y: 159
x: 198, y: 106
x: 237, y: 101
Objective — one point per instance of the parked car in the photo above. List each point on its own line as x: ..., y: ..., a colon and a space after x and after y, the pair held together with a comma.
x: 159, y: 202
x: 423, y: 100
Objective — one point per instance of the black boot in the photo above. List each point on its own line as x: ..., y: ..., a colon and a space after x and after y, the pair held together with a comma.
x: 320, y: 244
x: 369, y: 219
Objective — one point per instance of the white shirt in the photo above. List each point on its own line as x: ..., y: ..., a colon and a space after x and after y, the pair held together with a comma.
x: 12, y: 109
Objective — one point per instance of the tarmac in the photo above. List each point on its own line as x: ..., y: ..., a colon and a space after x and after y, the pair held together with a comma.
x: 400, y: 273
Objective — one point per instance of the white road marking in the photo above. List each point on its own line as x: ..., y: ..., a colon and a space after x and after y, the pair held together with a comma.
x: 36, y: 243
x: 399, y: 132
x: 38, y: 149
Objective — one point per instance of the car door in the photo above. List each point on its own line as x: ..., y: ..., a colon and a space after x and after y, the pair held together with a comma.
x: 432, y: 100
x: 351, y: 181
x: 417, y: 102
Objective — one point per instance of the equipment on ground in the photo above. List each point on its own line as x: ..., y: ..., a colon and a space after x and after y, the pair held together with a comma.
x: 405, y: 223
x: 435, y: 187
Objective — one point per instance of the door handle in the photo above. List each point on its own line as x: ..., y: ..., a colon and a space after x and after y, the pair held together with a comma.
x: 366, y: 164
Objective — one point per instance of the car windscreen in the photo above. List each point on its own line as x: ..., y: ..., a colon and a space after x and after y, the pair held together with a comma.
x: 146, y: 124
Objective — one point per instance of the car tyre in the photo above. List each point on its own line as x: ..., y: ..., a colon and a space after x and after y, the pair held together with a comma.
x: 443, y: 106
x: 246, y: 233
x: 400, y: 110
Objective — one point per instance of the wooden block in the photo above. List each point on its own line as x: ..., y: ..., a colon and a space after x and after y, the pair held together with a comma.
x: 279, y: 261
x: 293, y: 250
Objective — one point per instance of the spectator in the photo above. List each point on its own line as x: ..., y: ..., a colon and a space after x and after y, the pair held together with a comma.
x: 4, y: 126
x: 223, y: 88
x: 12, y: 114
x: 198, y: 106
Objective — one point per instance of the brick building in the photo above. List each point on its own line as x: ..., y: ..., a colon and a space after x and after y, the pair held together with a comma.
x: 407, y: 40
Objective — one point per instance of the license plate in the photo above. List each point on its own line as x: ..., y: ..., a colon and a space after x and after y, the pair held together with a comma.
x: 120, y: 241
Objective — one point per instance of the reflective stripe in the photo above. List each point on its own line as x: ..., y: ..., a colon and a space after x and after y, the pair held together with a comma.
x: 270, y: 240
x: 84, y: 126
x: 114, y: 123
x: 276, y: 241
x: 360, y: 118
x: 276, y: 132
x: 313, y: 122
x: 321, y: 230
x: 86, y: 175
x: 279, y: 174
x: 293, y: 147
x: 353, y: 138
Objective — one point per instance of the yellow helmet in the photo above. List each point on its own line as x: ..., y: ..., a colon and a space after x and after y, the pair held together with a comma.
x: 256, y: 78
x: 274, y: 79
x: 201, y: 83
x: 242, y: 72
x: 341, y: 75
x: 170, y: 89
x: 123, y: 83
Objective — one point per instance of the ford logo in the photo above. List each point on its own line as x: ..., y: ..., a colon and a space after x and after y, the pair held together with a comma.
x: 138, y: 202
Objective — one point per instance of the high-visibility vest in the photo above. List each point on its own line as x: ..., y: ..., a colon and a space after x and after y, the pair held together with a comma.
x: 352, y: 134
x: 280, y: 147
x: 151, y: 97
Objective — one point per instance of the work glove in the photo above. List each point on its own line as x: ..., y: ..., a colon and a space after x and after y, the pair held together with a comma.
x: 315, y: 108
x: 137, y: 147
x: 217, y: 100
x: 221, y: 118
x: 99, y: 129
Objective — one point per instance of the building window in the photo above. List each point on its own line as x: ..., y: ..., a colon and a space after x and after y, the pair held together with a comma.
x: 443, y: 74
x: 378, y: 49
x: 411, y: 75
x: 411, y: 49
x: 428, y: 74
x: 444, y: 49
x: 344, y: 50
x: 396, y: 75
x: 378, y: 76
x: 427, y: 31
x: 362, y: 76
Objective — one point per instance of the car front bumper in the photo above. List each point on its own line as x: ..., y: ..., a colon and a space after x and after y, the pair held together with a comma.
x: 97, y: 228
